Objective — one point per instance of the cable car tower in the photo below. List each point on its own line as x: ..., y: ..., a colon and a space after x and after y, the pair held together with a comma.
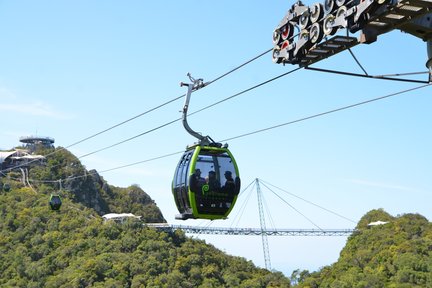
x: 315, y: 26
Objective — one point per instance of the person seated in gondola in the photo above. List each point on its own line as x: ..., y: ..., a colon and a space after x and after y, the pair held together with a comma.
x: 196, y: 181
x: 230, y: 185
x: 212, y: 181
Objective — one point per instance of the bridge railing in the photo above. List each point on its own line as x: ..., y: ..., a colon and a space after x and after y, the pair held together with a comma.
x: 252, y: 231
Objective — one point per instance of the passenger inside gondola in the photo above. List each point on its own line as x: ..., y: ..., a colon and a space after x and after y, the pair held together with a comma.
x: 196, y: 181
x: 212, y: 181
x: 229, y: 186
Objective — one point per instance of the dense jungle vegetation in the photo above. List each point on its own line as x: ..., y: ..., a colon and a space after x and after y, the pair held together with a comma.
x: 74, y: 247
x: 396, y: 254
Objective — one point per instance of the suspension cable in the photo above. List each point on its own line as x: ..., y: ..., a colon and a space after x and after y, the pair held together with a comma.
x: 325, y: 113
x: 355, y: 58
x: 402, y: 74
x: 242, y: 208
x: 307, y: 201
x: 125, y: 121
x: 357, y: 61
x: 170, y: 101
x: 295, y: 209
x: 195, y: 112
x: 247, y: 90
x: 280, y: 125
x: 240, y: 66
x: 144, y: 113
x: 380, y: 77
x: 129, y: 139
x: 238, y: 94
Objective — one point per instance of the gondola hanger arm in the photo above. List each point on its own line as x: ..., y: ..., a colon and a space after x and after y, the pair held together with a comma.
x: 193, y: 86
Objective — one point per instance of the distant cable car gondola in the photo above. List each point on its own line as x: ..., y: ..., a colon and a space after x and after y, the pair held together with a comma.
x: 6, y: 187
x: 55, y: 202
x: 206, y: 182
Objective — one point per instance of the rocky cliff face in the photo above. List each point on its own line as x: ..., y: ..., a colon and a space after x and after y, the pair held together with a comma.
x: 63, y: 171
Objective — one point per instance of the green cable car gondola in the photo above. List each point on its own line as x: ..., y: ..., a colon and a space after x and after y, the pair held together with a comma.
x: 206, y: 182
x: 55, y: 202
x: 6, y: 187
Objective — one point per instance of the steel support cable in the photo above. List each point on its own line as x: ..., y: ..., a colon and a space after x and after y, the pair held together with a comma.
x: 236, y: 217
x: 240, y: 66
x: 267, y: 210
x: 355, y: 58
x: 107, y: 170
x: 402, y: 74
x: 281, y: 125
x: 247, y: 90
x: 357, y: 61
x: 325, y: 113
x: 148, y: 111
x: 169, y: 101
x: 169, y: 123
x: 292, y: 207
x: 126, y: 121
x: 380, y: 77
x: 125, y: 166
x: 240, y: 93
x: 205, y: 224
x: 195, y: 112
x: 205, y: 227
x: 131, y: 138
x: 239, y: 214
x: 307, y: 201
x: 106, y: 130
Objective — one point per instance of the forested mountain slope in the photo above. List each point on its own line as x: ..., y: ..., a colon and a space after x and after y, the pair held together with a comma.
x: 395, y: 254
x: 89, y: 188
x: 74, y: 247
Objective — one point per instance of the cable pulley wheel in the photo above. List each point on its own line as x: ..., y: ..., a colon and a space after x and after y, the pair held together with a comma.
x: 305, y: 34
x: 304, y: 20
x: 275, y: 55
x: 316, y: 33
x: 284, y: 45
x: 328, y: 29
x: 317, y: 12
x: 329, y: 6
x: 276, y: 37
x: 340, y: 3
x: 287, y: 31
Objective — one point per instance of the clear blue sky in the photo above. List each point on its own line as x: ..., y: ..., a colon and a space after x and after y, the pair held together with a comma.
x: 69, y: 69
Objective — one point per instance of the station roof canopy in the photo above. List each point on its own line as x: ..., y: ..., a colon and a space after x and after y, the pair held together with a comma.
x: 18, y: 155
x: 119, y: 216
x: 6, y: 154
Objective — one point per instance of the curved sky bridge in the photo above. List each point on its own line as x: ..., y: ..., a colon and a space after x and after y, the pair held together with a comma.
x: 252, y: 231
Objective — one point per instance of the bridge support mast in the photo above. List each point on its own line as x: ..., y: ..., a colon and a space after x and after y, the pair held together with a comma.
x: 263, y: 227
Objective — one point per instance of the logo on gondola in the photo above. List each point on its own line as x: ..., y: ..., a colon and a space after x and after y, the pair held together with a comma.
x: 205, y: 188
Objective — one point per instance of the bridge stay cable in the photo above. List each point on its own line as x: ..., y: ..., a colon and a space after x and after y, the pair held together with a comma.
x: 307, y: 201
x: 242, y: 208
